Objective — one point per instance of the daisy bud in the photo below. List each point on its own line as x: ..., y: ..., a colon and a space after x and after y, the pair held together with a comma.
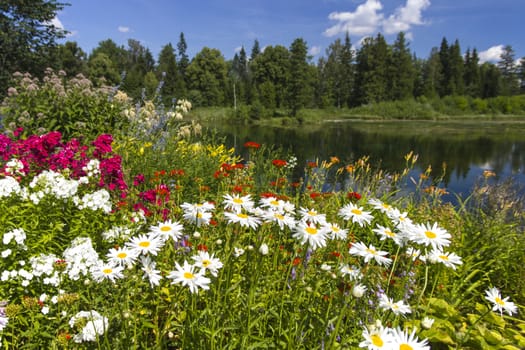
x: 218, y: 242
x: 359, y: 290
x: 250, y: 247
x: 427, y: 322
x: 196, y: 234
x: 263, y: 249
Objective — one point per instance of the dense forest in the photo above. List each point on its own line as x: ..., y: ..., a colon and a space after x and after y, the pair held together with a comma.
x: 277, y: 77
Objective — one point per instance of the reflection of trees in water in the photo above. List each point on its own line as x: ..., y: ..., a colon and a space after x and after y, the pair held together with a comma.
x: 387, y: 150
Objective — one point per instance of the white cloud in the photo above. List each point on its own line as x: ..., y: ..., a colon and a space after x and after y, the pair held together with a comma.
x: 314, y: 50
x: 406, y: 16
x: 368, y: 19
x: 493, y: 54
x: 364, y: 20
x: 123, y: 29
x: 57, y: 23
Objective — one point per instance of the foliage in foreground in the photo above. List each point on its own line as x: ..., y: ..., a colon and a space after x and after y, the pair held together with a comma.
x: 232, y: 262
x: 157, y: 237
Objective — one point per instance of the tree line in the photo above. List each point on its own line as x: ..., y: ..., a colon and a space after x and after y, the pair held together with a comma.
x: 277, y: 77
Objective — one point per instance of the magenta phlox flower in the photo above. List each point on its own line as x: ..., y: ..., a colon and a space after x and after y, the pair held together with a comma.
x: 102, y: 145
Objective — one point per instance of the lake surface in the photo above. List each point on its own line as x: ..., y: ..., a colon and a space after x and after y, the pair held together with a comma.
x: 467, y: 148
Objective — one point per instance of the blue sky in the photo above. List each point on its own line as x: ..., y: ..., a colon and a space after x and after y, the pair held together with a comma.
x: 486, y: 25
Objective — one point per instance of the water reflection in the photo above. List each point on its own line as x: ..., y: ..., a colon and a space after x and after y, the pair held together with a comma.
x: 466, y: 149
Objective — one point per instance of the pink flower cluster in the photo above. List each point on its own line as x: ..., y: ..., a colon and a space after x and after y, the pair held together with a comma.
x: 48, y: 152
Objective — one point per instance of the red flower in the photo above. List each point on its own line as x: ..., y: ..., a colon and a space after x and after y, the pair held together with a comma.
x: 251, y: 144
x: 353, y: 195
x: 279, y: 163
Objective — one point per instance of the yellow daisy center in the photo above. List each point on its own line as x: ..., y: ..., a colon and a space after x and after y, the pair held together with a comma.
x: 386, y: 206
x: 312, y: 213
x: 311, y: 230
x: 107, y: 271
x: 430, y: 234
x: 122, y: 255
x: 274, y: 202
x: 144, y: 244
x: 242, y: 216
x: 390, y: 233
x: 443, y: 257
x: 405, y: 347
x: 238, y: 201
x: 356, y: 212
x: 165, y: 228
x: 376, y: 340
x: 279, y: 217
x: 371, y: 251
x: 499, y: 301
x: 188, y: 275
x: 199, y: 215
x: 335, y: 229
x: 206, y: 263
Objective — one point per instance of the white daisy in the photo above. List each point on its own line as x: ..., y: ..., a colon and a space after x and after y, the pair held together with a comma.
x: 500, y: 304
x: 243, y: 219
x: 399, y: 219
x: 237, y: 203
x: 398, y: 308
x: 386, y: 233
x: 168, y: 229
x: 403, y: 341
x: 369, y: 253
x: 122, y: 256
x: 272, y: 203
x: 353, y: 272
x: 336, y: 232
x: 356, y: 214
x: 280, y: 218
x: 107, y: 271
x: 309, y: 232
x: 376, y: 338
x: 150, y: 271
x: 206, y: 262
x: 143, y: 244
x: 187, y: 276
x: 431, y: 235
x: 450, y: 260
x: 311, y: 215
x: 380, y: 205
x: 198, y: 214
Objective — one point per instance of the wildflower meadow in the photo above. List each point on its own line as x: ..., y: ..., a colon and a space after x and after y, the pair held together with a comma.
x: 124, y: 226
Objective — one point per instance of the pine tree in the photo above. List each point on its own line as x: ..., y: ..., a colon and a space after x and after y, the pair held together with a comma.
x: 183, y: 62
x: 401, y: 70
x: 298, y: 83
x: 509, y: 72
x: 471, y: 73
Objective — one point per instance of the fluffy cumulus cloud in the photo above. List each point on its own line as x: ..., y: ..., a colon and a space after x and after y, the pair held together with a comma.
x: 491, y: 55
x: 406, y: 16
x: 368, y: 18
x: 123, y: 29
x: 363, y: 21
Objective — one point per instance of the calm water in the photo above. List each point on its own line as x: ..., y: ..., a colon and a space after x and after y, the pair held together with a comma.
x: 467, y: 149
